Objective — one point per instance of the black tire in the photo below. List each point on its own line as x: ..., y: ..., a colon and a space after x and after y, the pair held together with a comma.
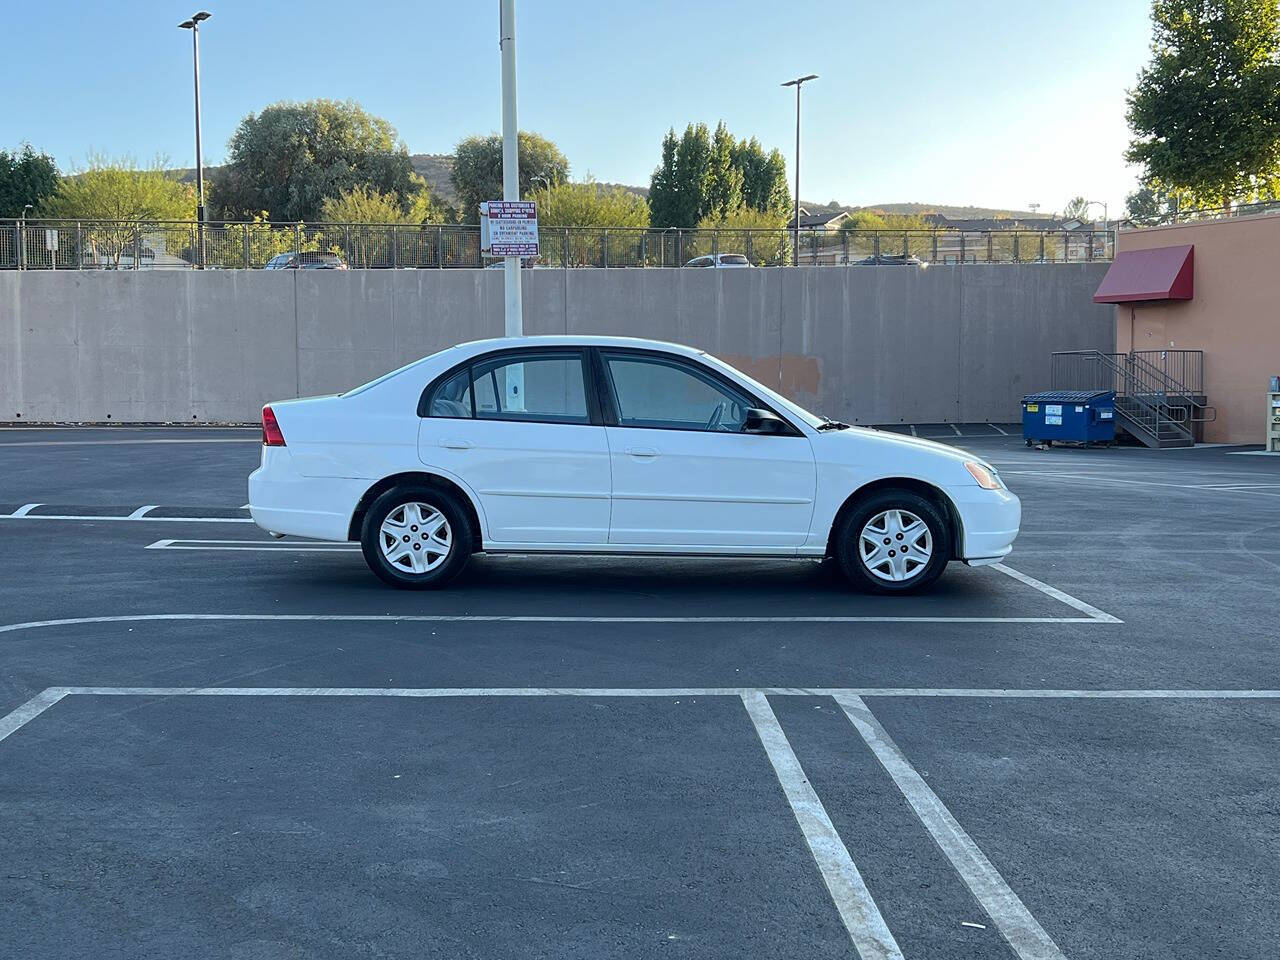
x: 460, y: 537
x: 848, y: 541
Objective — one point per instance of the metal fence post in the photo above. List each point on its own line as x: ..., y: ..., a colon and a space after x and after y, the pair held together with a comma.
x: 297, y: 238
x: 715, y: 246
x: 564, y: 248
x: 604, y: 250
x: 644, y: 249
x: 1017, y: 254
x: 247, y: 255
x: 395, y: 256
x: 1089, y: 249
x: 1042, y: 248
x: 935, y: 246
x: 990, y: 246
x: 962, y: 248
x: 875, y: 245
x: 79, y: 248
x: 844, y: 247
x: 18, y: 234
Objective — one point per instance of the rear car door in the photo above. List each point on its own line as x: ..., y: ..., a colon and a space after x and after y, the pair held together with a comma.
x: 684, y: 473
x: 522, y: 431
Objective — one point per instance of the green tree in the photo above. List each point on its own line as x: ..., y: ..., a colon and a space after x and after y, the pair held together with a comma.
x: 764, y: 178
x: 693, y: 175
x: 26, y: 177
x: 477, y: 169
x: 724, y: 190
x: 1076, y: 209
x: 1205, y: 112
x: 1147, y: 203
x: 291, y: 157
x: 663, y: 205
x: 364, y: 204
x: 119, y: 201
x: 591, y: 205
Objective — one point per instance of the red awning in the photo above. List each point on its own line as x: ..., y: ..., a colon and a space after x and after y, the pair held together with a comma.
x: 1161, y: 273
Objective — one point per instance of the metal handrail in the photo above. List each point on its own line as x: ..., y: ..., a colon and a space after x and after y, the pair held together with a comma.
x: 1187, y: 404
x: 1134, y: 401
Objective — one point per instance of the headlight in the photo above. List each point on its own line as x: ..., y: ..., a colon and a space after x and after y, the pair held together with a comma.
x: 985, y: 476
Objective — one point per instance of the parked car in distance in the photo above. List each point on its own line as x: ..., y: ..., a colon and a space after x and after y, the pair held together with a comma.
x: 610, y: 445
x: 720, y: 260
x: 891, y: 260
x: 306, y: 260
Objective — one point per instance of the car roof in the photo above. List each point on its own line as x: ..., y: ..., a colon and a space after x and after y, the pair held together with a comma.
x: 562, y: 340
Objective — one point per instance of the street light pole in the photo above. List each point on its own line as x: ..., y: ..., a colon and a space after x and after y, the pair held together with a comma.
x: 795, y: 240
x: 194, y: 26
x: 514, y: 314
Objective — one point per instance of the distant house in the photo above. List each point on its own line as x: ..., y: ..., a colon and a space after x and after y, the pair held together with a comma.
x: 827, y: 221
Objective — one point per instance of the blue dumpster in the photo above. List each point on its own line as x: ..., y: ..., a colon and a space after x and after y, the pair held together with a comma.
x: 1071, y: 416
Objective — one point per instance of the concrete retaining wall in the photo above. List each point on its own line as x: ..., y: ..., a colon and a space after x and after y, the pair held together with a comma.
x: 863, y: 344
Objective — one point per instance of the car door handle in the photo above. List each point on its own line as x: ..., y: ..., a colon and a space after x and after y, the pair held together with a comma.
x: 642, y: 453
x: 451, y: 443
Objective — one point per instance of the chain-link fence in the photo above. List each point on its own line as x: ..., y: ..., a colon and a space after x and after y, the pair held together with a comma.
x: 124, y: 245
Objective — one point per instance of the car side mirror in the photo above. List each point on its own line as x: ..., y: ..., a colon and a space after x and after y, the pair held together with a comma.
x: 763, y: 421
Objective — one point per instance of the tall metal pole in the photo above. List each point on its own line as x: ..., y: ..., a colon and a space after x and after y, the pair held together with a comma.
x: 510, y: 157
x: 195, y: 54
x: 795, y: 238
x: 194, y: 26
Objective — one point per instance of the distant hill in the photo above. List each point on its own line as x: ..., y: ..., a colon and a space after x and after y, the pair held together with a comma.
x: 435, y: 168
x: 953, y: 213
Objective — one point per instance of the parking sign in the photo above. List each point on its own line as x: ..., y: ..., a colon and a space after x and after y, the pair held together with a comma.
x: 509, y: 228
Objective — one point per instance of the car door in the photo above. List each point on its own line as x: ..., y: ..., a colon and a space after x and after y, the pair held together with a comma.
x: 684, y: 473
x: 521, y: 430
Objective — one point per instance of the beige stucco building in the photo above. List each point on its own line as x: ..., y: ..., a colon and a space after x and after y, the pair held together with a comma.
x: 1233, y: 315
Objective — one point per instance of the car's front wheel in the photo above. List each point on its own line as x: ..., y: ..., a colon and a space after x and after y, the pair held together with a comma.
x: 893, y: 541
x: 416, y: 538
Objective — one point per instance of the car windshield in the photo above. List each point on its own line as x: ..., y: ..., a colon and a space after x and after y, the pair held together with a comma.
x: 733, y: 258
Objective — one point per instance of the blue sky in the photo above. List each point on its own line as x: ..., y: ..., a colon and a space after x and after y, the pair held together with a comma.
x: 984, y: 102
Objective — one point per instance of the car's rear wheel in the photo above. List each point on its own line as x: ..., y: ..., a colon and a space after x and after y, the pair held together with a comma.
x: 893, y: 541
x: 416, y: 538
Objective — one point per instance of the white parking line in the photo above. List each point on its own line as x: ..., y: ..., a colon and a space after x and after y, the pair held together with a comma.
x: 1003, y: 433
x: 1025, y: 935
x: 37, y: 705
x: 23, y: 510
x: 141, y: 512
x: 1057, y: 594
x: 259, y: 546
x: 858, y: 910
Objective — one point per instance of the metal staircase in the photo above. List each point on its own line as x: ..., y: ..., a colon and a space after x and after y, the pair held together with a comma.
x: 1152, y: 405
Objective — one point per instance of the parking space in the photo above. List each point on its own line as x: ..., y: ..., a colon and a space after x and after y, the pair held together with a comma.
x: 216, y: 744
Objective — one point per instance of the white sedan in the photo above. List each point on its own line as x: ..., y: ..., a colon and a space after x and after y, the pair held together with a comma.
x: 606, y: 445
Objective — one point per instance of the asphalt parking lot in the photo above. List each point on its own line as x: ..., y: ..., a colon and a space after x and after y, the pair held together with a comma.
x: 213, y: 744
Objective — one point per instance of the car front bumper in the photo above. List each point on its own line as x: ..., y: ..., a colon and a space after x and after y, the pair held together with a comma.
x: 989, y: 520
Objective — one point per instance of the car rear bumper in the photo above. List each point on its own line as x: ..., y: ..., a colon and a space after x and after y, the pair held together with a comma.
x: 281, y: 500
x: 990, y: 521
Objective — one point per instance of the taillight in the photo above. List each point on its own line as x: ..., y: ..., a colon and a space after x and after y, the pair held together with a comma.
x: 271, y: 435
